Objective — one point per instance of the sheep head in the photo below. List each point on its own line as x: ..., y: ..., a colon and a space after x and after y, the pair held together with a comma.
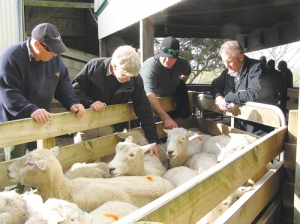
x: 129, y: 159
x: 31, y: 166
x: 177, y: 142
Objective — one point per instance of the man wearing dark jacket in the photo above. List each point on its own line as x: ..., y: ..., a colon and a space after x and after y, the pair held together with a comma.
x: 243, y: 80
x: 115, y: 80
x: 288, y: 78
x: 277, y: 82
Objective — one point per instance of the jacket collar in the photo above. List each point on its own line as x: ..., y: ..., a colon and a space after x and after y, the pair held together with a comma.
x: 100, y: 74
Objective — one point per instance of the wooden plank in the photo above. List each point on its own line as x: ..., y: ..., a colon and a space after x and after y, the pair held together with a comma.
x: 289, y: 155
x: 192, y: 200
x: 247, y: 207
x: 146, y: 38
x: 79, y: 55
x: 271, y: 116
x: 293, y: 93
x: 288, y: 194
x: 73, y: 72
x: 59, y: 4
x: 296, y: 131
x: 29, y: 130
x: 273, y: 214
x: 292, y: 127
x: 73, y: 64
x: 46, y: 143
x: 291, y: 105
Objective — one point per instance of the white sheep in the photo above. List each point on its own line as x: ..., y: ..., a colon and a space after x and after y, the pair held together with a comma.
x: 210, y: 217
x: 224, y: 146
x: 202, y: 160
x: 179, y: 175
x: 34, y: 201
x: 88, y: 170
x: 41, y: 169
x: 181, y: 146
x: 13, y: 208
x: 138, y: 137
x: 133, y: 160
x: 111, y: 212
x: 59, y: 211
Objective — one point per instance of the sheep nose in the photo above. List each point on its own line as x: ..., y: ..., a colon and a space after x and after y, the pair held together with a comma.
x: 170, y: 153
x: 110, y: 170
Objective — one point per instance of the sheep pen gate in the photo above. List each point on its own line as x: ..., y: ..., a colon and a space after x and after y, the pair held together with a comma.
x: 191, y: 201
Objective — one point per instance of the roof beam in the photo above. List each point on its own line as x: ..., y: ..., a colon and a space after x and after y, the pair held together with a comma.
x: 228, y: 9
x: 60, y: 4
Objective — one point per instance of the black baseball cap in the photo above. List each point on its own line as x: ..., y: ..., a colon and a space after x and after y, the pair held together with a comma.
x: 49, y: 34
x: 169, y: 47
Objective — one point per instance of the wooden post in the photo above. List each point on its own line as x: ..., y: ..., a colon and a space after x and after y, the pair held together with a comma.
x: 146, y: 39
x: 297, y: 176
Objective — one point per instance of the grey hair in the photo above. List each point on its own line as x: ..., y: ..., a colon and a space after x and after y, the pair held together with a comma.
x: 128, y: 59
x: 232, y: 48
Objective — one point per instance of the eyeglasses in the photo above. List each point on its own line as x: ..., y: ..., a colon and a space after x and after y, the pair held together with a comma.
x: 46, y: 47
x: 170, y: 51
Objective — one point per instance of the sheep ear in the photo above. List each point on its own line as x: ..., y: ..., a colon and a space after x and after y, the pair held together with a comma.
x: 41, y: 164
x: 122, y: 135
x: 128, y: 139
x: 166, y: 130
x: 145, y: 148
x: 54, y: 150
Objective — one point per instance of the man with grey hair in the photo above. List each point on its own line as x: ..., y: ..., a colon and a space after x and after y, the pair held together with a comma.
x: 243, y: 80
x: 115, y: 80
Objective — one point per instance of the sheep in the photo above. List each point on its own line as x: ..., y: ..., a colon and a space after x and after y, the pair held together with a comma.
x: 33, y: 201
x: 223, y: 206
x: 132, y: 160
x: 181, y: 146
x: 111, y: 211
x: 138, y: 137
x: 41, y: 169
x: 203, y: 160
x: 13, y: 209
x: 88, y: 170
x: 179, y: 175
x: 59, y: 211
x: 223, y: 146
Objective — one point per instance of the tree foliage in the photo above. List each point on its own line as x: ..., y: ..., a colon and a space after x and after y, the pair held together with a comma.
x: 203, y: 54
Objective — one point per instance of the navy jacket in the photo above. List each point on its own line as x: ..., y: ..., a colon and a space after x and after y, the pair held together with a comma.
x: 27, y: 85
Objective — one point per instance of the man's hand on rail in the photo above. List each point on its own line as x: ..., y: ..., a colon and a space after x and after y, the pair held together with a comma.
x: 220, y: 103
x: 98, y: 106
x: 41, y: 116
x: 78, y: 109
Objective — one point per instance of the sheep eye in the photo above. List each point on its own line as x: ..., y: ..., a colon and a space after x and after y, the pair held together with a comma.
x: 132, y: 155
x: 30, y: 164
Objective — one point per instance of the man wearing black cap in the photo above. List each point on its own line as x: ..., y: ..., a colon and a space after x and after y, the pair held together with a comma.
x: 165, y: 75
x: 31, y: 73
